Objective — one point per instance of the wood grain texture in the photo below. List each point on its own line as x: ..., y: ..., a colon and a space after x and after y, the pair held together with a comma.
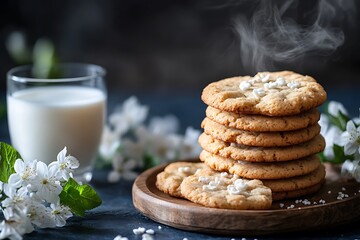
x: 183, y: 214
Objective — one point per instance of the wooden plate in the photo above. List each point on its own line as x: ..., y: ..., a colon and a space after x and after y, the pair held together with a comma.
x: 183, y: 214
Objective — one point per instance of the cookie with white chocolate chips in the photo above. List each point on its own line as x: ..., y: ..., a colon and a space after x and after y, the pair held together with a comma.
x: 169, y: 180
x: 261, y: 123
x: 267, y: 93
x: 260, y: 139
x: 259, y: 170
x: 261, y: 154
x: 222, y: 190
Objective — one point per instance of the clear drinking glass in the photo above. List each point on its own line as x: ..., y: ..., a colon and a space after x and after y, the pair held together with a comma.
x: 47, y: 114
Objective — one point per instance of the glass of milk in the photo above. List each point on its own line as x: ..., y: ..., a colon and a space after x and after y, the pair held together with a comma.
x: 47, y: 114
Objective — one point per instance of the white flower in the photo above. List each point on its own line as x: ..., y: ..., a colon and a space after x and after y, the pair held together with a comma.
x: 60, y: 214
x: 351, y: 169
x: 24, y: 171
x: 39, y: 214
x: 164, y: 125
x: 9, y: 231
x: 65, y: 165
x: 190, y: 147
x: 331, y: 133
x: 335, y: 107
x: 110, y: 142
x: 128, y: 116
x: 16, y: 224
x: 162, y: 146
x: 134, y: 150
x: 350, y: 139
x: 15, y: 198
x: 122, y: 169
x: 46, y: 184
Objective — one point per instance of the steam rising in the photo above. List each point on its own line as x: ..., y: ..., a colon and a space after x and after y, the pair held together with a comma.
x: 273, y: 36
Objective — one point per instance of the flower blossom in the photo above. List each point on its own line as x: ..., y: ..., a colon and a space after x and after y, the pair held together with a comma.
x: 24, y: 172
x: 60, y: 214
x: 110, y: 142
x: 334, y: 108
x: 351, y: 169
x: 16, y: 199
x: 130, y: 115
x: 46, y: 183
x: 190, y: 147
x: 15, y: 224
x: 350, y: 139
x: 65, y: 165
x: 122, y: 169
x: 331, y: 134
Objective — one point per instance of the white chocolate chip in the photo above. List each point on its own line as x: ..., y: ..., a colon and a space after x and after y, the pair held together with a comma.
x: 239, y: 187
x: 293, y: 85
x: 265, y: 78
x: 184, y: 169
x: 244, y: 86
x: 224, y: 174
x: 203, y: 179
x: 271, y: 85
x: 209, y: 188
x: 241, y: 184
x: 258, y: 92
x: 233, y: 190
x: 280, y: 82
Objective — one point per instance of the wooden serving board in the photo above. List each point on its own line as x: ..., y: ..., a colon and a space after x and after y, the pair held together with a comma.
x: 183, y: 214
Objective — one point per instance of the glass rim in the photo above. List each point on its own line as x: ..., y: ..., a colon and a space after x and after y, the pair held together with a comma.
x: 98, y: 72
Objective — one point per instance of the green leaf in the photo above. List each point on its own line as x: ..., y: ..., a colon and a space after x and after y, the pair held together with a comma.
x: 8, y: 156
x: 150, y: 161
x: 340, y: 121
x: 79, y: 198
x: 339, y: 154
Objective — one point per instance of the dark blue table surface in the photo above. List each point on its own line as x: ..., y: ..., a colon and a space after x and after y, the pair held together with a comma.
x: 117, y: 215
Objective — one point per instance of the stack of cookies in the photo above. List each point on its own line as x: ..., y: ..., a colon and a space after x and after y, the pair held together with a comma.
x: 260, y: 142
x: 265, y: 127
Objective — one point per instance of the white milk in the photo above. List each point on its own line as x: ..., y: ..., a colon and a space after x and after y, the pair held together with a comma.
x: 43, y: 120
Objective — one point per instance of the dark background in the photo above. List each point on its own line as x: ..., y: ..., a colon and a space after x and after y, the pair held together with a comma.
x: 169, y: 45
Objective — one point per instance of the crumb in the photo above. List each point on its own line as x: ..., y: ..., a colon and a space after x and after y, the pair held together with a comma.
x: 150, y: 231
x: 159, y: 227
x: 146, y: 236
x: 139, y: 230
x: 119, y: 237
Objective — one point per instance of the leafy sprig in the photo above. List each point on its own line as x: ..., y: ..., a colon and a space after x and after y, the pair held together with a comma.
x: 342, y: 136
x: 33, y: 193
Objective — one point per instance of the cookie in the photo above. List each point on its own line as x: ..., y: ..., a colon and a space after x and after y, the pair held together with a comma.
x: 222, y: 190
x: 261, y: 154
x: 260, y: 139
x: 169, y: 180
x: 296, y: 183
x: 262, y: 123
x: 268, y: 93
x: 261, y: 171
x: 276, y: 196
